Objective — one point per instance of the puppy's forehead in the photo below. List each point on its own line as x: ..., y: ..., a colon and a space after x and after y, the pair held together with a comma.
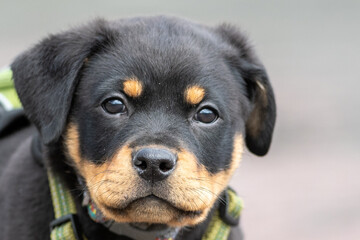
x: 165, y: 65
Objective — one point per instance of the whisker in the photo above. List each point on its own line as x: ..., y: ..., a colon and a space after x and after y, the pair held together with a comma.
x: 205, y: 180
x: 105, y: 171
x: 201, y: 190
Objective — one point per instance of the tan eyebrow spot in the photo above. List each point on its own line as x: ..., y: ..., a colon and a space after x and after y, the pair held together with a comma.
x: 194, y: 94
x: 132, y: 87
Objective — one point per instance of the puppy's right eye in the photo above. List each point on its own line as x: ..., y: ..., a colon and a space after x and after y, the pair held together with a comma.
x: 206, y: 115
x: 114, y: 106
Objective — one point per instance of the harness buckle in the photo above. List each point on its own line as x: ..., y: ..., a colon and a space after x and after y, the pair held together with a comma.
x: 73, y: 218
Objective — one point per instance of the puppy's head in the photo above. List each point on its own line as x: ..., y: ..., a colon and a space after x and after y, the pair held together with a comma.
x: 153, y: 112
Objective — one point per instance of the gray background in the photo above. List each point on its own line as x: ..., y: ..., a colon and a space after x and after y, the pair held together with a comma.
x: 308, y: 186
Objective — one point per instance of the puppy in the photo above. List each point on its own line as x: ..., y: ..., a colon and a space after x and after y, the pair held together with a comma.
x: 143, y: 119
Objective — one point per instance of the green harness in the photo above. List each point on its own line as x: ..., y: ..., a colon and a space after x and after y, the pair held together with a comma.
x: 8, y: 96
x: 65, y: 225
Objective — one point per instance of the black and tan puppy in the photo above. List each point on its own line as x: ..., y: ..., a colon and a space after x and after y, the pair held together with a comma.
x: 146, y: 117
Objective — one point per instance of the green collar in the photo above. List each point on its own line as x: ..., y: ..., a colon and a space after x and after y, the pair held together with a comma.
x: 65, y: 225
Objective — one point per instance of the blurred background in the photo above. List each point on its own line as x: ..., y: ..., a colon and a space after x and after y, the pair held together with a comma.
x: 308, y: 186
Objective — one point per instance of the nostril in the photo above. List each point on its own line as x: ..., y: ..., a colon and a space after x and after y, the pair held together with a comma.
x: 140, y: 164
x: 166, y: 166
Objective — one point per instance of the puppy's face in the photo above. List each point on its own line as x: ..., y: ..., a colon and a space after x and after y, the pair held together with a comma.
x: 157, y: 135
x: 158, y: 115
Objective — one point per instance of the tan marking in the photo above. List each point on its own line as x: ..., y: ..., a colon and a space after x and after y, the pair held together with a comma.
x: 132, y: 87
x: 108, y: 183
x: 262, y: 96
x: 194, y: 94
x: 255, y: 119
x: 194, y: 188
x: 260, y: 85
x: 115, y: 183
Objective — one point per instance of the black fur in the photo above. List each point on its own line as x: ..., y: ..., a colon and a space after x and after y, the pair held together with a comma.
x: 66, y: 77
x: 46, y: 76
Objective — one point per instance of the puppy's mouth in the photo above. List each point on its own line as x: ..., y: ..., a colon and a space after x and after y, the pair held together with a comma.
x: 151, y: 202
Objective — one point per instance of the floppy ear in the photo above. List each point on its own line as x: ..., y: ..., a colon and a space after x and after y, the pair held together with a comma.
x: 261, y: 117
x: 46, y: 76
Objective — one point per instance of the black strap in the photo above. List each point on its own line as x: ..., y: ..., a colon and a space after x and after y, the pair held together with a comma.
x: 12, y: 121
x: 224, y: 211
x: 36, y: 150
x: 15, y: 120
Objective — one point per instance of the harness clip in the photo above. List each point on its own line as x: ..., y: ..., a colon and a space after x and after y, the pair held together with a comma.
x: 68, y: 218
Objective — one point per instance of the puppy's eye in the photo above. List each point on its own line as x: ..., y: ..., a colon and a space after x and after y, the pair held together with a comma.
x: 114, y: 106
x: 206, y: 115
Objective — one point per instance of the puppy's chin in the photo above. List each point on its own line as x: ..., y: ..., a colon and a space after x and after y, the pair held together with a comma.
x: 153, y: 210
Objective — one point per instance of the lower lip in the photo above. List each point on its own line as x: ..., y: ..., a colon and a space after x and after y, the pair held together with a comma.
x: 155, y: 198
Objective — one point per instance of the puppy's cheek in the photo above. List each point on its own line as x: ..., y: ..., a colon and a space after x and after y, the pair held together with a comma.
x: 193, y: 188
x: 108, y: 183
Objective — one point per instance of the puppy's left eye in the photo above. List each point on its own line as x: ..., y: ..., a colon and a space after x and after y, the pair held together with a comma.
x: 206, y: 115
x: 114, y: 106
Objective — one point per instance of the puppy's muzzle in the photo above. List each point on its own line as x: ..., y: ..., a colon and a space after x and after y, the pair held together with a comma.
x: 154, y: 164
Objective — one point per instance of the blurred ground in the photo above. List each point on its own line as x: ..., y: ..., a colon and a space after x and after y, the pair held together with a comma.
x: 308, y: 186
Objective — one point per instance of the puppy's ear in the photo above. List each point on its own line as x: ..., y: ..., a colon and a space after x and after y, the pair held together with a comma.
x: 261, y: 118
x: 46, y: 76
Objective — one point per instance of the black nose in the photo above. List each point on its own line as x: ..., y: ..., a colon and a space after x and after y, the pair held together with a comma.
x: 154, y: 164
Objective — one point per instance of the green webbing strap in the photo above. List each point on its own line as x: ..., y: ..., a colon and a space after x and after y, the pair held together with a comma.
x: 218, y: 229
x: 64, y: 227
x: 7, y: 89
